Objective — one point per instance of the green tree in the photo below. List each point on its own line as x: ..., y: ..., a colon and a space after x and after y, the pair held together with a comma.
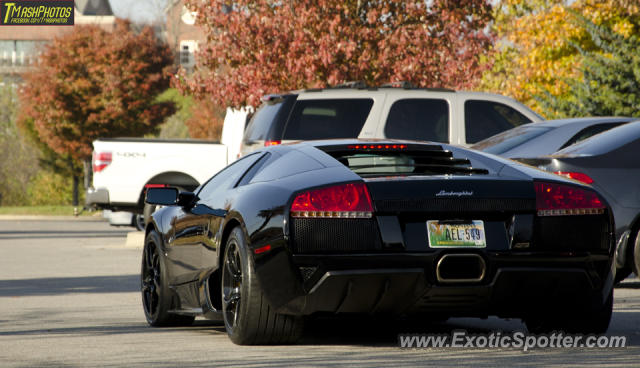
x: 609, y: 81
x: 91, y: 84
x: 539, y: 43
x: 18, y: 163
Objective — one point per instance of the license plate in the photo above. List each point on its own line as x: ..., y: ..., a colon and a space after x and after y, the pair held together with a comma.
x: 463, y: 235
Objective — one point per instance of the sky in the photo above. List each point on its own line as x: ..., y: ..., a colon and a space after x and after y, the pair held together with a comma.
x: 143, y: 11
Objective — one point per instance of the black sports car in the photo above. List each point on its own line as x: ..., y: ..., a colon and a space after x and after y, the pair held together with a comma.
x: 389, y: 227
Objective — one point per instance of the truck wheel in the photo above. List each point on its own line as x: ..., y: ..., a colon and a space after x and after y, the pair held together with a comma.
x: 147, y: 211
x: 248, y: 317
x: 138, y: 222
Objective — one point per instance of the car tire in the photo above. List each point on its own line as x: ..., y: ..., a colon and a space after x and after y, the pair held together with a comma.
x: 621, y: 274
x: 248, y: 317
x: 157, y: 297
x: 635, y: 256
x: 594, y: 321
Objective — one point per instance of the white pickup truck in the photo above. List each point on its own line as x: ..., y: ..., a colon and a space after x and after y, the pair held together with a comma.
x: 123, y: 168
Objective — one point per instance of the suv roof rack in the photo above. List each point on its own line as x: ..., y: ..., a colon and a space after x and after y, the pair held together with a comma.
x: 399, y: 84
x: 363, y: 85
x: 346, y: 85
x: 409, y: 85
x: 353, y: 84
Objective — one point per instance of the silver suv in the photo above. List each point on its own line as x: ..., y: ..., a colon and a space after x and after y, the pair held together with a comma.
x: 400, y: 112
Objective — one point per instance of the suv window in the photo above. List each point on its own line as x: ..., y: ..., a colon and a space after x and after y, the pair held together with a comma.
x: 589, y: 132
x: 326, y: 119
x: 482, y: 119
x: 261, y: 122
x: 418, y: 119
x: 267, y: 122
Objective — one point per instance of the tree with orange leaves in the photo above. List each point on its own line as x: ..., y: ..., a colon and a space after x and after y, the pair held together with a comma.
x: 91, y: 84
x: 256, y: 47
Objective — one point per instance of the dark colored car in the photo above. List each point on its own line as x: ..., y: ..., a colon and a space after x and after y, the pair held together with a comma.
x: 378, y: 226
x: 544, y: 138
x: 610, y: 163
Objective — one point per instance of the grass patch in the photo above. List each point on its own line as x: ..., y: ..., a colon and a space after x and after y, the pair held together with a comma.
x: 49, y: 210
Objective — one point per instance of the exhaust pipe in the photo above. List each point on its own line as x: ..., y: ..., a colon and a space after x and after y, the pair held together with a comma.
x: 460, y: 268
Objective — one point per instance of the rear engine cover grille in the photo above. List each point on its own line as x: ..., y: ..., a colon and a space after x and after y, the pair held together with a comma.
x: 313, y: 235
x: 450, y: 205
x: 572, y: 233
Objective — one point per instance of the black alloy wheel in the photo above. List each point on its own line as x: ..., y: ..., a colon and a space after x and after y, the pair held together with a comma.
x: 157, y: 298
x: 231, y: 285
x: 248, y: 316
x: 150, y: 280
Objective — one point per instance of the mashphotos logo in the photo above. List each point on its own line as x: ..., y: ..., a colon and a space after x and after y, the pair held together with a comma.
x: 36, y: 13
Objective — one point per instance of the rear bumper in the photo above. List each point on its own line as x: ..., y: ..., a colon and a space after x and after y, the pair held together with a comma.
x: 512, y: 286
x: 98, y: 197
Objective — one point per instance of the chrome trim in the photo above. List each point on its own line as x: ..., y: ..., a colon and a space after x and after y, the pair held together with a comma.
x: 460, y: 255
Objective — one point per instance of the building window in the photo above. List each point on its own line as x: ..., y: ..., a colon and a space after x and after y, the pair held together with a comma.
x: 19, y: 52
x: 187, y: 49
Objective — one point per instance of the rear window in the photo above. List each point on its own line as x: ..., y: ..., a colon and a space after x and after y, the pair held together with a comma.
x: 267, y: 122
x: 605, y: 142
x: 425, y: 160
x: 261, y: 122
x: 326, y: 119
x: 589, y: 132
x: 482, y: 119
x: 418, y: 119
x: 510, y: 139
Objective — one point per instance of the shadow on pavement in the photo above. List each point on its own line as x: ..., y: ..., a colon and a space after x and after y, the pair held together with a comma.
x: 114, y: 329
x: 628, y: 285
x: 68, y: 285
x: 48, y: 234
x: 372, y: 331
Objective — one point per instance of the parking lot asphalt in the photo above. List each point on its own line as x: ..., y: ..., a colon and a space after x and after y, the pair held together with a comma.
x: 69, y: 298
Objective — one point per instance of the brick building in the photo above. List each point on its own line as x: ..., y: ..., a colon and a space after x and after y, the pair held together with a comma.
x: 181, y: 33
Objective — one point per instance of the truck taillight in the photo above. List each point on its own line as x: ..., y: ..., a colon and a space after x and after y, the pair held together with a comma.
x: 554, y: 199
x: 271, y: 143
x: 100, y: 160
x: 575, y: 176
x: 340, y: 201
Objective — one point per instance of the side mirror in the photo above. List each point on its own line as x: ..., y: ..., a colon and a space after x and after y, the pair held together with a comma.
x: 162, y: 196
x: 186, y: 199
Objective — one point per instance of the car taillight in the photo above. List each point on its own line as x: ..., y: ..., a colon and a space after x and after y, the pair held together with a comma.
x: 559, y: 200
x: 100, y: 161
x: 341, y: 201
x: 271, y: 143
x: 575, y: 176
